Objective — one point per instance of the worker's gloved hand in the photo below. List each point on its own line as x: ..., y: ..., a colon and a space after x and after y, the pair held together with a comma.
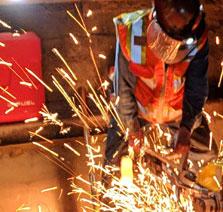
x: 183, y: 141
x: 182, y: 147
x: 135, y: 141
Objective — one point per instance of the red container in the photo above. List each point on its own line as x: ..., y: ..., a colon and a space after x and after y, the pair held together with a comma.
x: 21, y: 95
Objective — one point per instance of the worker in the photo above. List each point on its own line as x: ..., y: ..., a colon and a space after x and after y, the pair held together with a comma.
x: 160, y: 73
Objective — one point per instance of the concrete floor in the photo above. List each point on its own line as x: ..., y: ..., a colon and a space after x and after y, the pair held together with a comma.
x: 25, y: 172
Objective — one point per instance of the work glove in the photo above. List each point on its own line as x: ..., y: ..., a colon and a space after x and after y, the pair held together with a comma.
x: 182, y: 147
x: 135, y: 141
x: 183, y: 141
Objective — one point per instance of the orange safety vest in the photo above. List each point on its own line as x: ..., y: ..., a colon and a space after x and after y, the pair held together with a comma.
x: 159, y: 90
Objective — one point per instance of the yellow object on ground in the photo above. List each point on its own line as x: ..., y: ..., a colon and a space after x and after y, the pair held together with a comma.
x: 210, y: 177
x: 126, y: 170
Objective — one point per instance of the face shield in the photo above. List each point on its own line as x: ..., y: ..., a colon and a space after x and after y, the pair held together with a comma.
x: 164, y: 47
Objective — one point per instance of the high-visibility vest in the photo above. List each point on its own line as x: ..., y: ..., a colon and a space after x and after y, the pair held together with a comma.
x: 160, y: 88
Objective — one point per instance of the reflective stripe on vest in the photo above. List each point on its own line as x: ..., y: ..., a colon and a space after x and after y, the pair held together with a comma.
x: 116, y: 75
x: 136, y: 50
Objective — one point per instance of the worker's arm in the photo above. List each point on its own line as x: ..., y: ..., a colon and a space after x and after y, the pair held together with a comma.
x: 196, y: 88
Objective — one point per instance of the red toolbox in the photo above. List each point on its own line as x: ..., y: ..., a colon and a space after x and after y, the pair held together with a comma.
x: 21, y: 95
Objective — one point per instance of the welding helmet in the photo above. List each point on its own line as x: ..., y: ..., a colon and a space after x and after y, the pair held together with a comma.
x: 171, y: 32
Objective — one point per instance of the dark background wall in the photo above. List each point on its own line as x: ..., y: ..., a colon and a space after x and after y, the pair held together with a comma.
x: 53, y: 25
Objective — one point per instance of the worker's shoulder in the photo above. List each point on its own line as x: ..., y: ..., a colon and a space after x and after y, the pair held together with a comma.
x: 131, y: 17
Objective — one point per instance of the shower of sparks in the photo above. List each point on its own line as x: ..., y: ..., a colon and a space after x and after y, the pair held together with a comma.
x: 160, y: 131
x: 2, y: 44
x: 168, y: 136
x: 90, y: 201
x: 52, y: 119
x: 9, y: 110
x: 208, y: 117
x: 221, y: 76
x: 97, y: 130
x: 95, y: 65
x: 94, y: 28
x: 39, y: 136
x: 39, y: 208
x: 38, y: 130
x: 19, y: 76
x: 117, y: 100
x: 211, y: 141
x: 47, y: 149
x: 83, y: 180
x: 220, y: 149
x: 2, y: 62
x: 49, y: 189
x: 79, y: 142
x: 80, y: 16
x: 83, y: 26
x: 24, y: 72
x: 66, y: 77
x: 94, y: 97
x: 105, y: 85
x: 199, y: 164
x: 5, y: 91
x: 94, y: 150
x: 23, y: 208
x: 64, y: 131
x: 89, y: 13
x: 38, y: 79
x: 78, y: 22
x: 217, y: 40
x: 70, y: 101
x: 10, y: 102
x: 57, y: 53
x: 149, y: 193
x: 217, y: 115
x: 72, y: 149
x: 102, y: 56
x: 74, y: 38
x: 16, y: 34
x: 33, y: 119
x: 60, y: 195
x: 28, y: 84
x: 4, y: 24
x: 217, y: 181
